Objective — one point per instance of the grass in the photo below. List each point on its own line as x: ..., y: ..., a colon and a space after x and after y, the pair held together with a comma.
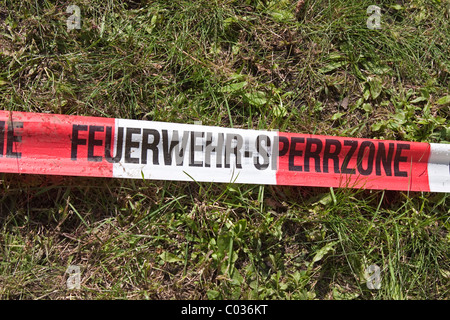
x: 242, y: 63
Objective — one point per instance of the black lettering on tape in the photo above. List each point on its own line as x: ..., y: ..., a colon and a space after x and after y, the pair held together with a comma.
x: 293, y: 152
x: 92, y: 142
x: 76, y: 141
x: 167, y: 150
x: 285, y: 149
x: 362, y: 154
x: 236, y: 150
x: 217, y: 149
x: 384, y: 159
x: 130, y: 144
x: 262, y: 151
x: 179, y: 150
x: 353, y: 146
x: 310, y: 154
x: 153, y: 146
x: 174, y: 146
x: 398, y: 158
x: 195, y: 147
x: 119, y: 145
x: 331, y: 155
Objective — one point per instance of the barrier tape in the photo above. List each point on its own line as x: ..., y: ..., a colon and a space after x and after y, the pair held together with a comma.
x: 38, y: 143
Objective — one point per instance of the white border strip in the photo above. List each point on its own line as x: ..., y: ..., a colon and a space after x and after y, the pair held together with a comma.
x: 247, y: 174
x: 439, y: 167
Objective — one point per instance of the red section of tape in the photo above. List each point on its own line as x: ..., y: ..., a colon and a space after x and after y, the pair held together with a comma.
x: 350, y: 162
x: 42, y: 144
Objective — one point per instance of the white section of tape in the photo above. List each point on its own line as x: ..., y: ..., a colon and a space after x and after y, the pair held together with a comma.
x: 439, y: 167
x: 195, y: 155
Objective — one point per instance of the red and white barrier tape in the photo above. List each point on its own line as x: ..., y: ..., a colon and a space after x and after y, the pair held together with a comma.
x: 103, y: 147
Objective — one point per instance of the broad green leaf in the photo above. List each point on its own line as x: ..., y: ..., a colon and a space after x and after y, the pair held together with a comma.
x: 240, y: 227
x: 223, y: 244
x: 236, y: 278
x: 366, y: 93
x: 425, y: 92
x: 377, y: 126
x: 358, y: 73
x: 375, y: 87
x: 440, y: 120
x: 306, y: 295
x: 419, y: 99
x: 367, y: 107
x: 336, y: 56
x: 340, y: 293
x: 337, y: 116
x: 213, y: 294
x: 359, y: 102
x: 257, y: 98
x: 400, y: 117
x: 376, y: 69
x: 233, y: 87
x: 444, y: 100
x: 279, y: 110
x: 282, y: 15
x: 396, y: 7
x: 169, y: 257
x: 325, y: 199
x: 323, y: 251
x: 332, y: 66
